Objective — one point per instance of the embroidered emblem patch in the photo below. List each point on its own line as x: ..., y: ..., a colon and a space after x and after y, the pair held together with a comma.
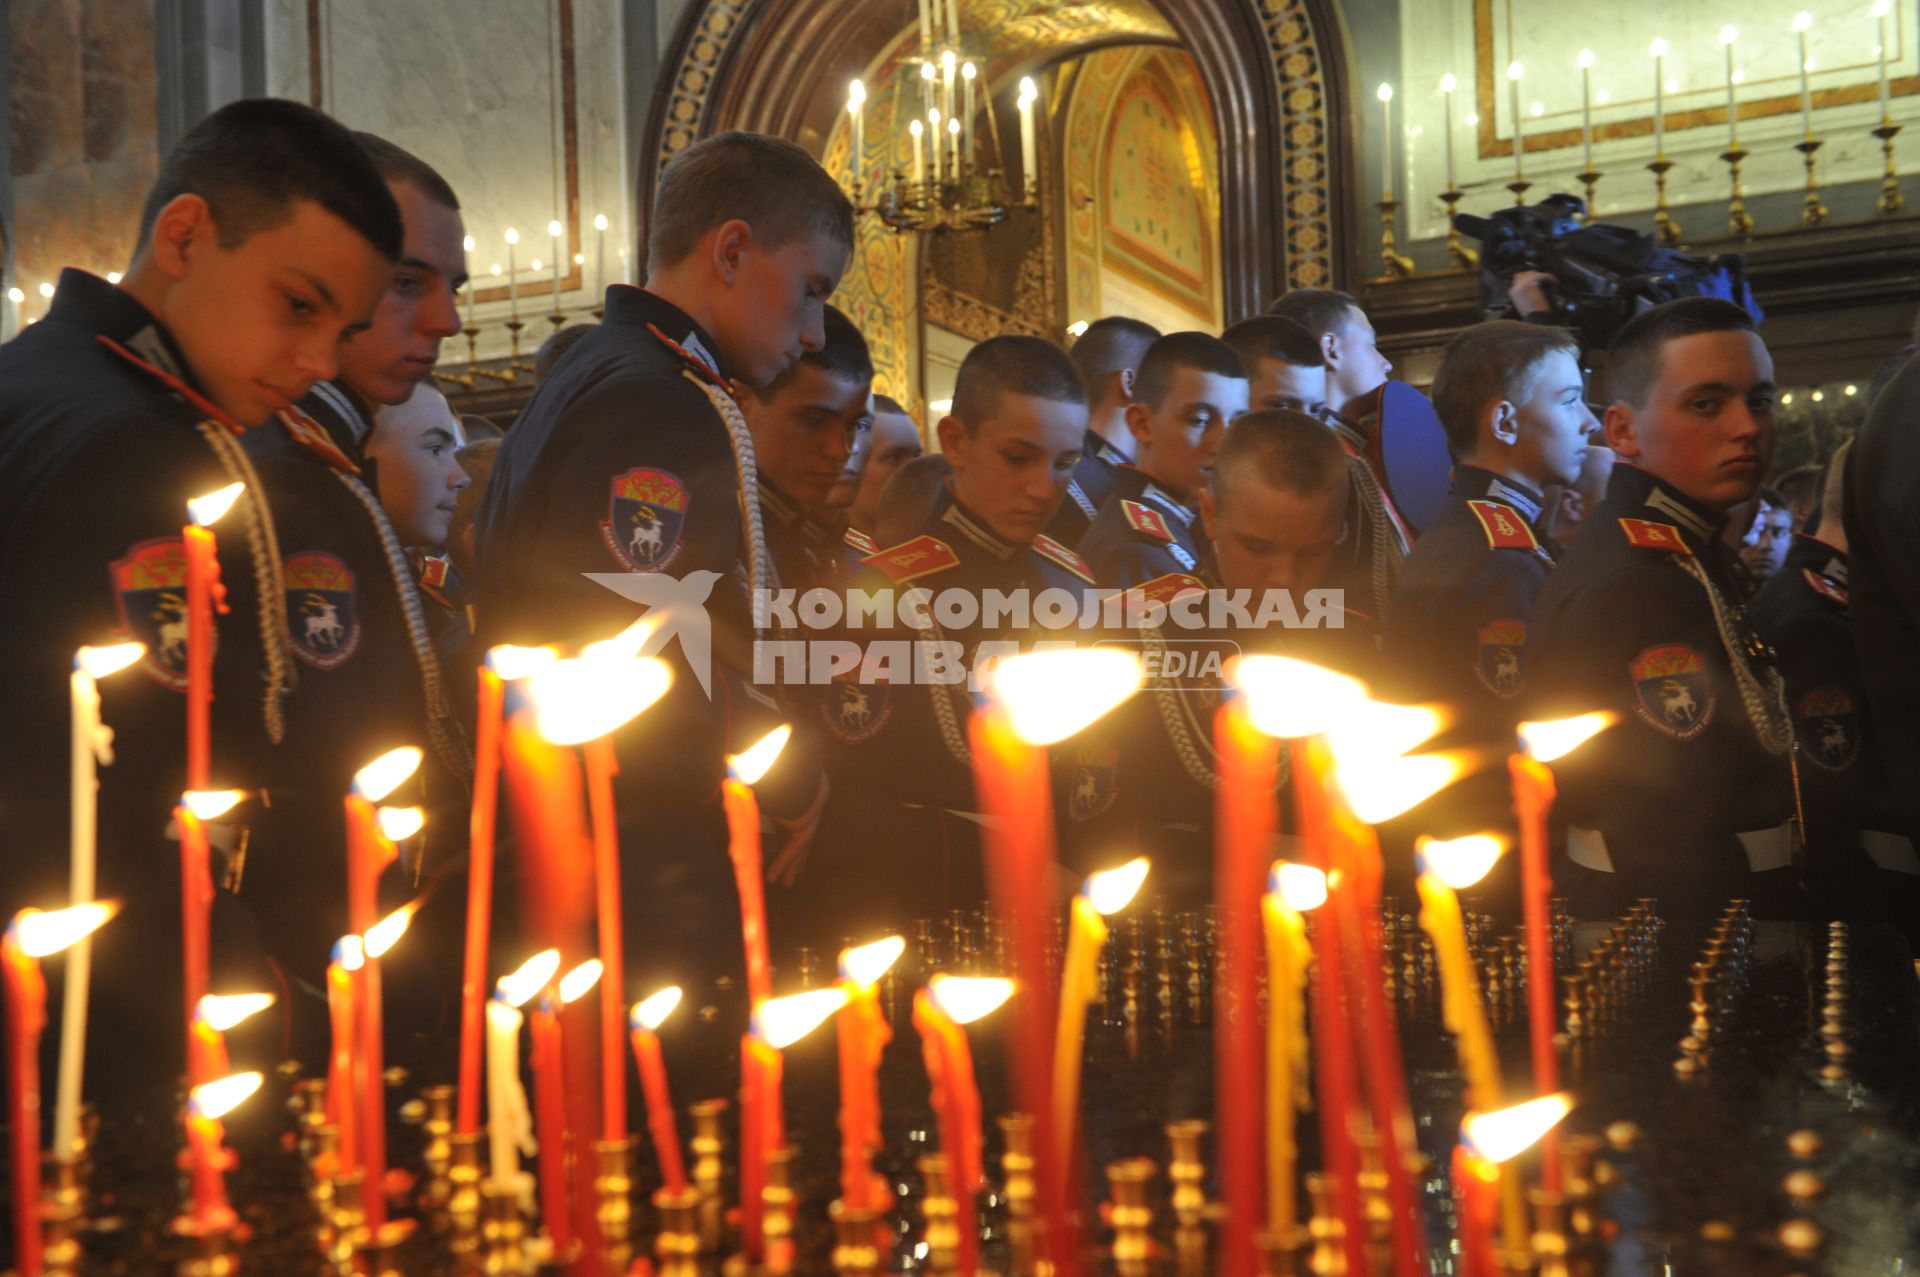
x: 1829, y: 590
x: 1053, y: 550
x: 911, y: 560
x: 861, y: 541
x: 1672, y: 692
x: 1828, y: 725
x: 323, y: 609
x: 1145, y: 520
x: 1504, y: 527
x: 646, y: 518
x: 855, y: 711
x: 1165, y: 589
x: 1096, y: 771
x: 1496, y: 656
x: 150, y: 590
x: 1644, y: 534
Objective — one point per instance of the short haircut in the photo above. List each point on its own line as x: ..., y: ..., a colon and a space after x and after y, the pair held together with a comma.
x: 1633, y: 356
x: 479, y: 429
x: 888, y: 404
x: 1110, y: 345
x: 477, y: 460
x: 1175, y: 351
x: 1318, y: 310
x: 1274, y: 337
x: 1499, y: 359
x: 253, y: 160
x: 842, y: 353
x: 397, y: 164
x: 1283, y: 449
x: 1772, y: 497
x: 1801, y: 483
x: 1012, y: 365
x: 767, y: 182
x: 557, y: 344
x: 909, y: 494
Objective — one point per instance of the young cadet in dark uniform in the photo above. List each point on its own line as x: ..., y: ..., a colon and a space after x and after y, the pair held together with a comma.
x: 1107, y: 356
x: 1285, y: 368
x: 1189, y: 387
x: 370, y: 677
x: 267, y: 236
x: 623, y: 487
x: 1143, y: 777
x: 893, y: 441
x: 1690, y: 797
x: 1859, y: 864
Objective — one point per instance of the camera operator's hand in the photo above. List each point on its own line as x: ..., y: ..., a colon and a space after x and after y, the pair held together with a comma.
x: 1528, y: 292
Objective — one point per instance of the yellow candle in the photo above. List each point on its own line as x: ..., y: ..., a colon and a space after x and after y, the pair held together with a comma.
x: 1103, y: 894
x: 1295, y: 888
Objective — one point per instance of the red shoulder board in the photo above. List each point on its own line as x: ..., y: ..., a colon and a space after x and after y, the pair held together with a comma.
x: 312, y: 436
x: 1146, y: 520
x: 200, y: 403
x: 1824, y: 588
x: 910, y: 560
x: 860, y: 541
x: 704, y: 370
x: 433, y: 571
x: 1164, y: 589
x: 1052, y: 549
x: 1505, y: 529
x: 1646, y: 535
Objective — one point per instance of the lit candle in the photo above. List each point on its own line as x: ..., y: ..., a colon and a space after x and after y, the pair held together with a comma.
x: 1515, y: 72
x: 1585, y: 61
x: 196, y: 896
x: 953, y: 21
x: 211, y: 1019
x: 1658, y: 50
x: 1476, y: 1187
x: 371, y: 1061
x: 31, y: 936
x: 938, y: 1012
x: 647, y: 1018
x: 15, y: 300
x: 509, y: 1124
x: 91, y: 746
x: 926, y: 27
x: 513, y: 276
x: 1296, y: 888
x: 937, y: 141
x: 857, y: 131
x: 205, y: 595
x: 953, y: 137
x: 343, y: 973
x: 1803, y: 23
x: 919, y: 153
x: 1533, y: 791
x: 553, y: 233
x: 968, y: 74
x: 1445, y: 868
x: 599, y: 255
x: 550, y: 1121
x: 927, y: 74
x: 503, y: 664
x: 1029, y: 176
x: 473, y: 284
x: 863, y: 1034
x: 1385, y: 94
x: 1488, y: 1141
x: 777, y: 1024
x: 1729, y: 35
x: 1880, y: 10
x: 1447, y: 85
x: 743, y: 849
x: 206, y: 1105
x: 949, y: 69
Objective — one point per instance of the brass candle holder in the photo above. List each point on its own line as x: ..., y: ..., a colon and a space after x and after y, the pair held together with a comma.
x: 1663, y: 223
x: 380, y: 1256
x: 310, y: 1112
x: 1519, y: 186
x: 437, y: 1154
x: 1589, y: 180
x: 1551, y: 1250
x: 1739, y: 221
x: 504, y: 1231
x: 676, y: 1244
x: 1462, y: 257
x: 708, y: 1144
x: 1130, y: 1181
x: 855, y: 1251
x: 62, y: 1208
x: 941, y: 1212
x: 1285, y: 1254
x: 1813, y: 211
x: 1326, y: 1230
x: 1188, y: 1174
x: 349, y: 1218
x: 776, y: 1200
x: 516, y: 365
x: 1394, y: 264
x: 1017, y: 1165
x: 1890, y: 201
x: 463, y: 1193
x: 210, y: 1251
x: 613, y: 1189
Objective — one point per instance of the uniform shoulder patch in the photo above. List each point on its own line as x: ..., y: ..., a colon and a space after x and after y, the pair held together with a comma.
x: 313, y: 436
x: 323, y: 609
x: 1828, y: 724
x: 855, y: 712
x: 1504, y: 527
x: 1832, y: 591
x: 1145, y: 520
x: 911, y: 560
x: 150, y: 592
x: 646, y: 520
x: 860, y: 541
x: 1051, y: 549
x: 1644, y: 534
x: 1096, y: 774
x: 1496, y: 656
x: 435, y: 570
x: 1672, y: 691
x: 1165, y: 589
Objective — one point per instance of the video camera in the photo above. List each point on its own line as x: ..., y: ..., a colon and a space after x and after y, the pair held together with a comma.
x: 1605, y: 275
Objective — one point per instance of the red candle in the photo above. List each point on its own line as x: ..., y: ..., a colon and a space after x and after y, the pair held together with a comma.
x: 601, y: 768
x: 205, y: 594
x: 550, y: 1124
x: 743, y: 849
x: 938, y: 1012
x: 1476, y: 1194
x: 1487, y: 1142
x: 480, y: 842
x: 864, y: 1035
x: 760, y: 1068
x: 371, y: 1064
x: 208, y: 1159
x: 342, y: 1079
x: 647, y: 1018
x: 196, y: 905
x: 206, y: 1033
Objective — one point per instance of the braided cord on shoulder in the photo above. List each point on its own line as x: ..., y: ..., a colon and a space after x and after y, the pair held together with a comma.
x: 1385, y: 549
x: 263, y: 548
x: 1174, y: 714
x: 1766, y: 705
x: 760, y: 573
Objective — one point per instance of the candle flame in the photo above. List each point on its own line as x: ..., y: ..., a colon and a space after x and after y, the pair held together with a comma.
x: 1458, y: 862
x: 207, y: 509
x: 510, y: 661
x: 1300, y: 887
x: 1506, y: 1133
x: 349, y: 953
x: 211, y: 804
x: 780, y: 1022
x: 1384, y: 93
x: 386, y: 773
x: 599, y: 221
x: 1803, y: 21
x: 1561, y: 736
x: 628, y: 643
x: 467, y: 244
x: 913, y: 127
x: 652, y: 1012
x: 512, y: 236
x: 221, y: 1013
x: 967, y: 70
x: 953, y: 126
x: 1375, y: 729
x: 1112, y: 890
x: 528, y: 979
x: 1515, y: 71
x: 865, y: 964
x: 947, y: 60
x: 1029, y: 94
x: 1585, y: 60
x: 386, y: 933
x: 966, y: 998
x: 401, y: 823
x: 214, y: 1100
x: 98, y: 662
x: 553, y: 229
x: 856, y: 94
x: 1729, y: 33
x: 757, y: 760
x: 1881, y: 8
x: 1288, y: 698
x: 926, y: 70
x: 40, y: 933
x: 591, y: 696
x: 1658, y: 48
x: 1051, y: 695
x: 1448, y: 84
x: 576, y: 983
x: 1384, y: 787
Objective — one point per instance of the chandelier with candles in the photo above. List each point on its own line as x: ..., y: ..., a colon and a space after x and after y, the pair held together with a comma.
x: 947, y: 185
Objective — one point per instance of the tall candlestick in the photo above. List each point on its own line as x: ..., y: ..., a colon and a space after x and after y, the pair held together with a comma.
x: 343, y: 1017
x: 938, y: 1012
x: 1104, y: 893
x: 1295, y: 888
x: 926, y: 28
x: 777, y: 1024
x: 1445, y: 868
x: 1803, y: 23
x: 554, y: 230
x: 646, y: 1019
x: 743, y: 849
x: 601, y: 768
x: 937, y: 142
x: 550, y: 1124
x: 1447, y: 86
x: 1728, y: 36
x: 509, y: 1124
x: 1880, y: 10
x: 1385, y: 94
x: 196, y: 896
x: 953, y: 137
x: 206, y: 1105
x: 205, y: 596
x: 863, y: 1036
x: 949, y: 69
x: 473, y: 283
x: 599, y: 255
x: 1029, y: 176
x: 919, y: 153
x: 1658, y: 51
x: 1585, y: 61
x: 513, y: 276
x: 968, y: 73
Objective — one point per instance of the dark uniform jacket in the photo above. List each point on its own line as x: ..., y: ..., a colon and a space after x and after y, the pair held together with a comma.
x: 807, y: 553
x: 103, y: 440
x: 1088, y: 490
x: 1689, y: 797
x: 1142, y: 532
x: 1378, y: 538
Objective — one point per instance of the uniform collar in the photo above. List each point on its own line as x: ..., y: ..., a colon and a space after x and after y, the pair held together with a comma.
x: 789, y: 514
x: 1636, y: 489
x: 975, y: 530
x: 1471, y: 483
x: 1100, y: 448
x: 1815, y: 555
x: 347, y: 421
x: 1136, y: 484
x: 89, y: 302
x: 637, y: 308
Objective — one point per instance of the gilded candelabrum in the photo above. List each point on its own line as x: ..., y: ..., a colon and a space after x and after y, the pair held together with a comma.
x: 1739, y: 221
x: 613, y: 1186
x: 1663, y: 223
x: 677, y: 1245
x: 1017, y: 1165
x: 1188, y: 1173
x: 708, y: 1145
x: 1890, y: 201
x: 1394, y: 264
x: 1813, y: 211
x: 1462, y: 257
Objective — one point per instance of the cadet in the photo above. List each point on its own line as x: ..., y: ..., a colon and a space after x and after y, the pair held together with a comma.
x: 1570, y: 510
x: 893, y: 441
x: 1690, y: 797
x: 267, y: 236
x: 1107, y: 356
x: 1285, y: 368
x: 1859, y: 864
x: 1188, y: 388
x: 624, y: 482
x: 415, y: 452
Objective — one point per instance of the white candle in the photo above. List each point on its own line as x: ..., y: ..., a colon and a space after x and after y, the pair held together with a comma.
x: 919, y: 154
x: 953, y: 135
x: 1447, y: 85
x: 953, y: 21
x: 1586, y: 110
x: 1514, y: 73
x: 1880, y: 11
x: 599, y: 254
x: 513, y: 285
x: 1802, y: 23
x: 553, y: 232
x: 509, y: 1126
x: 857, y: 132
x: 1659, y: 51
x: 926, y: 27
x: 1729, y: 35
x: 1385, y: 94
x: 472, y: 283
x: 1028, y: 176
x: 949, y: 68
x: 967, y: 74
x: 936, y: 142
x: 926, y: 87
